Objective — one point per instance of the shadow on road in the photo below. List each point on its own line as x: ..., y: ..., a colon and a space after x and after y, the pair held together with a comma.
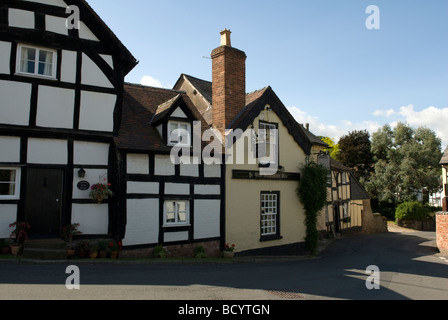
x: 407, y: 263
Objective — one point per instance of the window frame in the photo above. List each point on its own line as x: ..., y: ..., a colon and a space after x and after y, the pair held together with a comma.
x: 178, y: 123
x: 36, y: 74
x: 267, y: 143
x: 273, y: 235
x: 176, y: 223
x: 16, y: 195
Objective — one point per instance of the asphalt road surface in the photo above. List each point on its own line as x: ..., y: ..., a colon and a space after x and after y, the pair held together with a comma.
x: 408, y: 263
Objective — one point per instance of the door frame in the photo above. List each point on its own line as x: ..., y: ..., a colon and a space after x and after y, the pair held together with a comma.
x: 63, y: 197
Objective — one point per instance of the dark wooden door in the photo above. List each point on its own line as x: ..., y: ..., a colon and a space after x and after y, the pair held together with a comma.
x: 43, y: 207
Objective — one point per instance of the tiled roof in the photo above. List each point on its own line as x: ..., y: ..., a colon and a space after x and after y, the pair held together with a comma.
x: 444, y: 160
x: 142, y: 105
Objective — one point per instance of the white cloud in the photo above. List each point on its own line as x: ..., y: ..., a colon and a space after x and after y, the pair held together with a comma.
x: 384, y: 113
x: 433, y: 118
x: 334, y: 131
x: 151, y: 82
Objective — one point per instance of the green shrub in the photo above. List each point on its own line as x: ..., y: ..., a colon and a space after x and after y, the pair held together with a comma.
x: 199, y: 252
x: 412, y: 210
x: 159, y: 252
x: 312, y: 192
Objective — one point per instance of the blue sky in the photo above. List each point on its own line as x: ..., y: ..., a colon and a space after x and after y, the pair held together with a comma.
x: 317, y: 55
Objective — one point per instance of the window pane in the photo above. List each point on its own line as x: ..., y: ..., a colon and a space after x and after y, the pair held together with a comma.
x: 7, y: 175
x: 268, y: 214
x: 170, y: 217
x: 182, y: 217
x: 45, y: 63
x: 28, y: 60
x: 170, y: 206
x: 7, y: 182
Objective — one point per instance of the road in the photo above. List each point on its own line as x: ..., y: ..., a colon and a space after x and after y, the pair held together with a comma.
x: 409, y: 265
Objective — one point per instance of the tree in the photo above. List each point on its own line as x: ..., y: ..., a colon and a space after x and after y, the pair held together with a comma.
x: 406, y: 161
x: 333, y: 147
x: 355, y: 152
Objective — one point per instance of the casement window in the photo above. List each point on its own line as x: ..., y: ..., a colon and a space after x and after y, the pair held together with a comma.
x: 267, y: 148
x: 345, y: 210
x: 176, y: 213
x: 35, y: 61
x: 269, y: 219
x: 179, y: 133
x: 9, y: 183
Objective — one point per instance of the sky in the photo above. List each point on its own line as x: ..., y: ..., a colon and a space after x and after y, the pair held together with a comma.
x: 319, y: 57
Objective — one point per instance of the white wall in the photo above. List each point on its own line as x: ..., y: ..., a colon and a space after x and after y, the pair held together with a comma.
x: 97, y: 111
x: 9, y: 149
x: 142, y: 222
x: 137, y: 163
x: 47, y: 151
x: 90, y: 153
x: 15, y: 102
x: 68, y: 66
x: 206, y: 218
x: 8, y: 214
x: 92, y: 176
x: 21, y: 18
x: 5, y: 53
x: 92, y: 74
x: 163, y: 166
x: 55, y: 107
x: 93, y: 218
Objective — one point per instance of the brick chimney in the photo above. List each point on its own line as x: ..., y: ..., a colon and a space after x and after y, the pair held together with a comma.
x: 228, y: 82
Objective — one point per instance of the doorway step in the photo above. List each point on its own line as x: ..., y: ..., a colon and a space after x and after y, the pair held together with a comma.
x: 45, y: 249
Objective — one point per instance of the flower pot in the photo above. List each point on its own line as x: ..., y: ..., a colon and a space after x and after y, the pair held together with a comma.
x: 93, y: 254
x: 15, y: 249
x: 5, y: 250
x: 103, y: 254
x: 83, y: 253
x: 228, y: 254
x: 114, y: 254
x: 70, y: 252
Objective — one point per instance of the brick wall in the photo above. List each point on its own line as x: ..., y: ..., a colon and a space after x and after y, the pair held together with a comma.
x: 442, y: 231
x: 228, y: 85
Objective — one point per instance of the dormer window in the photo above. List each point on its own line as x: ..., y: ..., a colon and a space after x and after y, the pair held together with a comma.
x: 35, y: 61
x: 179, y: 133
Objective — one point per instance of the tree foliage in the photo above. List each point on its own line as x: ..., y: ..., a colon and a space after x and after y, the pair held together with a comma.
x: 406, y: 161
x: 355, y: 152
x: 312, y: 192
x: 333, y: 147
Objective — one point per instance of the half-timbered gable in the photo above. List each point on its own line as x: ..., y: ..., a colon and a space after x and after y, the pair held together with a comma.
x: 61, y: 92
x: 177, y: 204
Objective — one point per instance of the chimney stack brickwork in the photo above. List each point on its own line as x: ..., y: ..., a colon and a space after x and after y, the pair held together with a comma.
x: 228, y: 85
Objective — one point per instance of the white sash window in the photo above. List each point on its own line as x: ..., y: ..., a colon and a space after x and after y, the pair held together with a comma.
x: 36, y: 61
x: 9, y: 183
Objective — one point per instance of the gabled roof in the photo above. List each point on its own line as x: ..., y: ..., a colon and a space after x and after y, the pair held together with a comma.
x: 97, y: 25
x: 255, y: 102
x: 141, y: 104
x: 357, y: 191
x: 444, y: 160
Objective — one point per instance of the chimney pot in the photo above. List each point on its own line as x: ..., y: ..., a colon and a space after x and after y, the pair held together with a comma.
x: 225, y: 38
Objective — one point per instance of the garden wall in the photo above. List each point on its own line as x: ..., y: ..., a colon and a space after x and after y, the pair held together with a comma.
x: 442, y: 231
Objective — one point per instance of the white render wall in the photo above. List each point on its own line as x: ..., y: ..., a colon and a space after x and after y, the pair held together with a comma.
x: 9, y: 149
x: 15, y: 102
x: 93, y: 218
x: 8, y: 214
x: 142, y: 222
